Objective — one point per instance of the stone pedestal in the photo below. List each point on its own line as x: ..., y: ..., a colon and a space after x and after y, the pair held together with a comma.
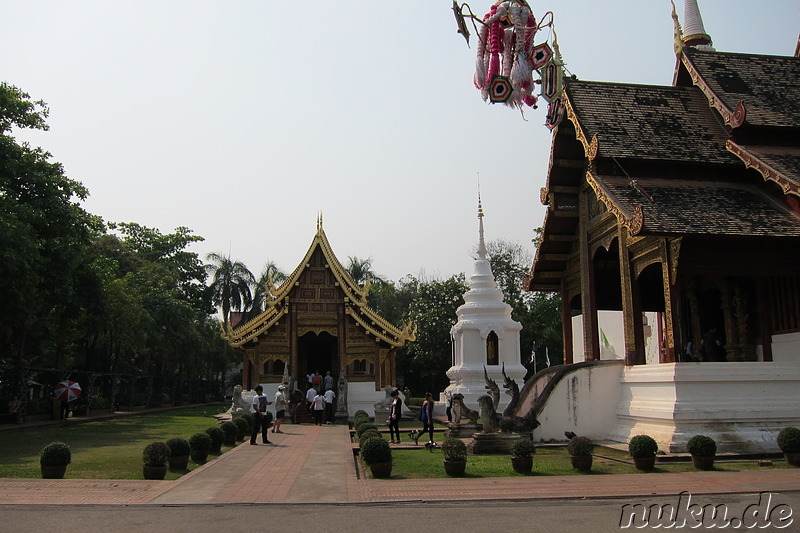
x: 462, y: 431
x: 493, y: 443
x: 381, y: 417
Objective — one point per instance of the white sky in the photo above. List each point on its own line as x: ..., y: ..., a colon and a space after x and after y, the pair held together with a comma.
x: 243, y: 119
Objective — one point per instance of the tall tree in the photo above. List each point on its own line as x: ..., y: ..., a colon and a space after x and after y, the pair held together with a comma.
x: 230, y: 285
x: 44, y: 233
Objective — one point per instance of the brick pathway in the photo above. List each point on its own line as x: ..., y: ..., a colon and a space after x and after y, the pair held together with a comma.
x: 315, y: 464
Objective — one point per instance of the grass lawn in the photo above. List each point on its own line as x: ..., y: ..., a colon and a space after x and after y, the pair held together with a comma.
x: 547, y: 461
x: 107, y: 449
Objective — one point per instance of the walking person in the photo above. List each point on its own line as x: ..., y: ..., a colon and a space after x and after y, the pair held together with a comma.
x: 281, y: 401
x: 319, y: 408
x: 327, y: 381
x: 310, y: 393
x: 329, y: 396
x: 262, y: 418
x: 426, y: 416
x: 394, y: 416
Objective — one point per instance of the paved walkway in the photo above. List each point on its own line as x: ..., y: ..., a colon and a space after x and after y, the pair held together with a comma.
x: 315, y: 464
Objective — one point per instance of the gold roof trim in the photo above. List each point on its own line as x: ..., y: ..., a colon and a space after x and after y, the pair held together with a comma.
x: 633, y: 221
x: 256, y: 327
x: 751, y: 160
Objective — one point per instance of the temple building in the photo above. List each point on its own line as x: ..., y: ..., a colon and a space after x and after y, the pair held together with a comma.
x: 672, y: 233
x: 318, y: 320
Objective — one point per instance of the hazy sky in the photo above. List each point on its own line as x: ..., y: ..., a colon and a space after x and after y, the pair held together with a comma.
x: 243, y: 119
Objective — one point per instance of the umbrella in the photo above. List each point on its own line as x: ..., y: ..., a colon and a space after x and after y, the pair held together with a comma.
x: 67, y: 390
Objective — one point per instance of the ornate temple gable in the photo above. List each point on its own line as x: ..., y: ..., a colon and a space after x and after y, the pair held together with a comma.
x: 258, y: 326
x: 779, y: 165
x: 747, y: 89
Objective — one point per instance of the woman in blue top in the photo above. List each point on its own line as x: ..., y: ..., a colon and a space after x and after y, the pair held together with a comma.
x: 426, y: 415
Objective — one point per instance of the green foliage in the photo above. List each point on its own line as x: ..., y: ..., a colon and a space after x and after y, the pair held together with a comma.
x: 156, y: 454
x: 230, y: 285
x: 375, y: 450
x: 523, y: 448
x: 360, y: 419
x: 243, y: 428
x: 55, y: 454
x: 200, y: 441
x: 217, y: 436
x: 365, y: 427
x: 432, y: 309
x: 230, y: 430
x: 454, y: 449
x: 178, y: 446
x: 360, y: 413
x: 702, y: 446
x: 789, y: 440
x: 370, y: 433
x: 249, y: 418
x: 642, y: 446
x: 580, y: 446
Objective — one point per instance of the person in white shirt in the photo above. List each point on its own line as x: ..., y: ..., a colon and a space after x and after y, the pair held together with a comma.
x: 329, y: 396
x: 310, y: 393
x: 319, y: 408
x: 262, y: 416
x: 281, y: 401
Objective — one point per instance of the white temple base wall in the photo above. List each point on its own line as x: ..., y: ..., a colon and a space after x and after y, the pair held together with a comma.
x: 741, y: 405
x: 584, y: 402
x: 469, y: 380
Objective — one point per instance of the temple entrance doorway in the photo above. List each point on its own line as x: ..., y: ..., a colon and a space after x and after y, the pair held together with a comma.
x: 317, y: 353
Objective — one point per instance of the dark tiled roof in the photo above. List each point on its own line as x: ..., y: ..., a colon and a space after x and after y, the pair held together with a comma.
x: 649, y: 122
x: 785, y: 160
x: 769, y: 86
x: 703, y: 208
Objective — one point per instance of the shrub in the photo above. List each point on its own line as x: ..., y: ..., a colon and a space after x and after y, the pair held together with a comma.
x: 454, y: 449
x: 217, y: 437
x: 376, y: 450
x: 156, y: 454
x: 523, y: 448
x: 178, y: 446
x: 359, y: 413
x: 642, y: 446
x: 702, y: 446
x: 230, y: 430
x: 365, y: 427
x: 361, y: 421
x: 789, y: 440
x: 249, y: 418
x: 242, y: 428
x: 55, y: 454
x: 580, y: 446
x: 368, y: 435
x: 200, y: 441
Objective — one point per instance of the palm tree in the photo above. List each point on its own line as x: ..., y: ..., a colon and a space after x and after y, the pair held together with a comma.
x: 230, y: 286
x: 361, y: 270
x: 270, y: 276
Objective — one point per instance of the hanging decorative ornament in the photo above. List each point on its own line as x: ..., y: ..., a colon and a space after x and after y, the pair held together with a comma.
x: 500, y: 90
x: 508, y: 65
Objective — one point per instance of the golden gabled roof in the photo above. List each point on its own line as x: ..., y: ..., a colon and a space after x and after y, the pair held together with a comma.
x: 355, y: 296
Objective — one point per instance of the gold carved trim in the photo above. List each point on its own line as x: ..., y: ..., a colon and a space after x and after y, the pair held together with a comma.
x: 766, y: 171
x: 544, y: 196
x: 713, y: 101
x: 674, y: 255
x: 633, y: 221
x: 594, y: 147
x: 579, y: 133
x: 333, y: 330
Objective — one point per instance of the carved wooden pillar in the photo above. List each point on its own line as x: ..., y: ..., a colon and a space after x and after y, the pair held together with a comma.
x: 669, y: 265
x: 293, y: 341
x: 726, y: 298
x: 341, y: 319
x: 245, y: 370
x: 566, y: 323
x: 591, y: 335
x: 764, y: 314
x: 631, y: 305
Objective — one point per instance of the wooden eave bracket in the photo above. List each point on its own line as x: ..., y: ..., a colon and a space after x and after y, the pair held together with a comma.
x: 750, y: 160
x: 633, y: 221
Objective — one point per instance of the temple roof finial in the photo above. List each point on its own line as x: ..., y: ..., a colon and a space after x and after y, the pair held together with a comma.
x: 694, y: 33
